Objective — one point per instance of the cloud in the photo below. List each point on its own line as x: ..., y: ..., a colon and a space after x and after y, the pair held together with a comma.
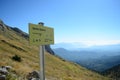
x: 101, y: 42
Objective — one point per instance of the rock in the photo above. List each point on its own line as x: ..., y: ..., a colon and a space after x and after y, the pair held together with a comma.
x: 2, y: 28
x: 35, y: 79
x: 8, y: 67
x: 20, y: 32
x: 34, y: 75
x: 48, y: 49
x: 2, y: 77
x: 3, y: 70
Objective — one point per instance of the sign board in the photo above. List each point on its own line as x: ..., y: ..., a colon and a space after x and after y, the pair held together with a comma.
x: 40, y: 35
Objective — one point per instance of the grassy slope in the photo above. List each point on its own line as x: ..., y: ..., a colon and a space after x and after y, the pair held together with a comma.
x: 11, y: 44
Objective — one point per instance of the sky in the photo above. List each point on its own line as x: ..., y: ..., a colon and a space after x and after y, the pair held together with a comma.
x: 92, y: 22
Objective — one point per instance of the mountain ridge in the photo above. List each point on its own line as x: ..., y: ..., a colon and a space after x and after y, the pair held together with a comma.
x: 113, y: 72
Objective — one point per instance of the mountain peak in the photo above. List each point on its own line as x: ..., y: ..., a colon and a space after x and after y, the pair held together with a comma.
x: 3, y: 27
x: 1, y: 21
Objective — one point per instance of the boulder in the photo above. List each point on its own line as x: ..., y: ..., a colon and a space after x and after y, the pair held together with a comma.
x: 3, y: 70
x: 2, y: 77
x: 34, y: 75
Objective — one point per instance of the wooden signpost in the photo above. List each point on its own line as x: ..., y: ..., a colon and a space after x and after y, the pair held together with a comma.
x: 41, y: 35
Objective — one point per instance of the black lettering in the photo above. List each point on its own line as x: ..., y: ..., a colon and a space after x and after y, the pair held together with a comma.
x: 37, y: 34
x: 40, y: 29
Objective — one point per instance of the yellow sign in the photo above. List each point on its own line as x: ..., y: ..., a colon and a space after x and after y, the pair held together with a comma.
x: 40, y: 35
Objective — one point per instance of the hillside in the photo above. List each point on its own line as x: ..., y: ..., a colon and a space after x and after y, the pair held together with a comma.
x: 16, y: 43
x: 113, y: 72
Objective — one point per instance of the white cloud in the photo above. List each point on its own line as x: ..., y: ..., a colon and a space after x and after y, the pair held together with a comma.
x: 101, y: 42
x: 89, y: 43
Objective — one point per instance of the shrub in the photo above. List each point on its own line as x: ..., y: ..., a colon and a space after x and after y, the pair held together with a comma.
x: 16, y: 58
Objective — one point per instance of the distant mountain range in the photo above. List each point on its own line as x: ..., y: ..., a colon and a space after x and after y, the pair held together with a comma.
x: 98, y: 58
x: 69, y: 46
x: 80, y: 46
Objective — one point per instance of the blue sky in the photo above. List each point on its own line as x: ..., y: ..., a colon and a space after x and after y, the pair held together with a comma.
x: 93, y: 22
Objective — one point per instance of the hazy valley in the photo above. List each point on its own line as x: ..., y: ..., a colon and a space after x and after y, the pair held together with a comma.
x: 96, y: 58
